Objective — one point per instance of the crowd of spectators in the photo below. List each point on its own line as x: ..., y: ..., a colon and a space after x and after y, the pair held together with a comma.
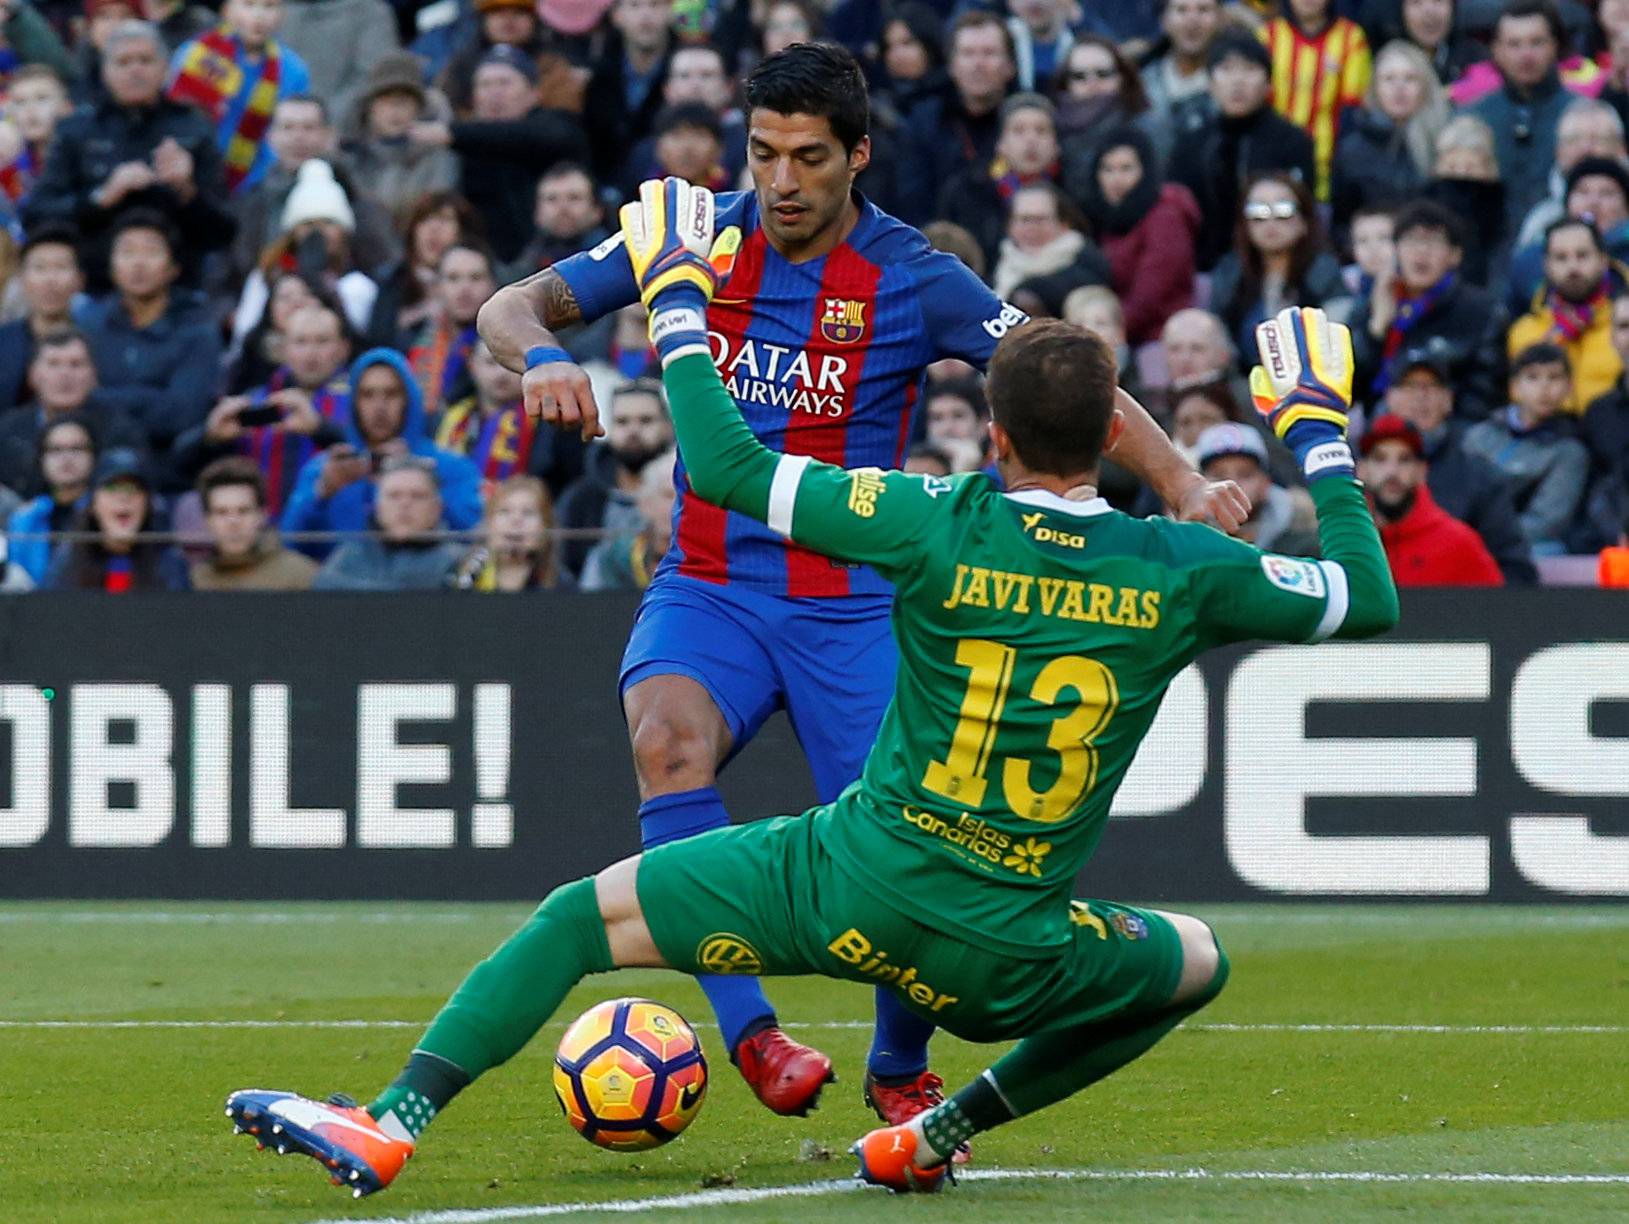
x: 242, y: 253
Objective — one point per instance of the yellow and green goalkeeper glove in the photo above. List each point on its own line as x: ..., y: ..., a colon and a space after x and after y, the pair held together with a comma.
x: 1303, y: 387
x: 677, y: 261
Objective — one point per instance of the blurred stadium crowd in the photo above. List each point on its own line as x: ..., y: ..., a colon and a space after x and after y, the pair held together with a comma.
x: 243, y: 253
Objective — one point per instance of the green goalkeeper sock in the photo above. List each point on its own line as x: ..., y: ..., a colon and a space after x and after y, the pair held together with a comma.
x: 1047, y: 1068
x: 499, y: 1006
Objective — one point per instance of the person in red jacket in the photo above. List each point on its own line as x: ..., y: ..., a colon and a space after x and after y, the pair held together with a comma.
x: 1146, y: 227
x: 1425, y: 545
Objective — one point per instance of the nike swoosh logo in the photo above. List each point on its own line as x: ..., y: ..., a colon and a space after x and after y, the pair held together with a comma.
x: 690, y: 1095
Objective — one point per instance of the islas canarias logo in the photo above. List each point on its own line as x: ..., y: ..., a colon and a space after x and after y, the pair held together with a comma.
x: 843, y: 321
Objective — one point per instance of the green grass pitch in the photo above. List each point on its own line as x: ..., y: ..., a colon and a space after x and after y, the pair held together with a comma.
x: 1519, y: 1067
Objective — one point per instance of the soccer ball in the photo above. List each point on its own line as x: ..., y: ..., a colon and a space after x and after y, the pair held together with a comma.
x: 630, y: 1074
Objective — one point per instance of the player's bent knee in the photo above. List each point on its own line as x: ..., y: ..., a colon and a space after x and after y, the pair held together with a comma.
x: 678, y: 736
x: 1204, y: 964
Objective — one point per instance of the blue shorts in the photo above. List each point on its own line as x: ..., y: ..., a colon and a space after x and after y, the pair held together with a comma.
x: 829, y: 663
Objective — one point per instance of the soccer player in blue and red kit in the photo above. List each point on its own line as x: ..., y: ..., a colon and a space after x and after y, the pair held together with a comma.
x: 822, y: 334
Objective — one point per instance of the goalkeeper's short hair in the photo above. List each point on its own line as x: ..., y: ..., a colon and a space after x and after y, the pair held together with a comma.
x: 1052, y: 387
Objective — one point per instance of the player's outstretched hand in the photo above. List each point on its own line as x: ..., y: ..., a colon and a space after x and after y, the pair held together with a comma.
x: 676, y: 258
x: 1303, y: 387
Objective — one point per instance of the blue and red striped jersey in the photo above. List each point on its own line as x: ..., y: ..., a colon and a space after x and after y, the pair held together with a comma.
x: 825, y: 358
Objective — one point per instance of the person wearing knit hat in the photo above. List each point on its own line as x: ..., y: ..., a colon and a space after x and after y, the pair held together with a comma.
x: 318, y: 227
x: 318, y: 197
x: 378, y: 151
x: 1425, y: 545
x: 235, y: 74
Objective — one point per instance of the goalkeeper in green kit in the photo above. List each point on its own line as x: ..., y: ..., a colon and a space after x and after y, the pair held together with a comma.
x: 1037, y: 631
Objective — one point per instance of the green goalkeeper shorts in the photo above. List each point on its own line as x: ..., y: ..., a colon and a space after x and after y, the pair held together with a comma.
x: 766, y: 898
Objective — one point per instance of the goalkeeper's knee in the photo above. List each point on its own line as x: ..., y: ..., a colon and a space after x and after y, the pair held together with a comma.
x: 1204, y: 963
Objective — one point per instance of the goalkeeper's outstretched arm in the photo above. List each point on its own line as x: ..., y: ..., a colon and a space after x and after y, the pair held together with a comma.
x: 1303, y: 388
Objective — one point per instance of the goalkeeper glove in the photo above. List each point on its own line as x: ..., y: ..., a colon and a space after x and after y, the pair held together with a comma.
x: 1303, y: 387
x: 676, y: 260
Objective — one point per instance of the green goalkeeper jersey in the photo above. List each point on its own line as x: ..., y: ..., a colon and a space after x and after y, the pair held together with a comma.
x: 1036, y: 638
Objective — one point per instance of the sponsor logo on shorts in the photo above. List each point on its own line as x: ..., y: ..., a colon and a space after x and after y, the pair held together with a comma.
x: 723, y: 952
x: 853, y: 948
x: 1130, y: 926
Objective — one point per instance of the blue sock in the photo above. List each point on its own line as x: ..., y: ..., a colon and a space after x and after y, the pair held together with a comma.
x: 899, y: 1046
x: 738, y: 1002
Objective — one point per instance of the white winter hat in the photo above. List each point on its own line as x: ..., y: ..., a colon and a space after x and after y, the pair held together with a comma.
x: 317, y: 197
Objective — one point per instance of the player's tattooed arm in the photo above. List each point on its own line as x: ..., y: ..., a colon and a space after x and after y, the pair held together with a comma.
x: 521, y: 316
x: 525, y: 314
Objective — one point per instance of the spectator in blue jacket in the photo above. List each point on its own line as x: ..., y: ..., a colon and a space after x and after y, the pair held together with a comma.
x: 67, y: 457
x: 336, y: 490
x: 157, y: 351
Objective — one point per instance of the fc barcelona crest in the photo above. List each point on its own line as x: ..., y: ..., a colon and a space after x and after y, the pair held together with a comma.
x: 844, y: 320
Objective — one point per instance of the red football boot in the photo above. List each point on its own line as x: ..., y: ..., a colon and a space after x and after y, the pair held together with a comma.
x: 888, y: 1158
x: 897, y: 1104
x: 786, y: 1075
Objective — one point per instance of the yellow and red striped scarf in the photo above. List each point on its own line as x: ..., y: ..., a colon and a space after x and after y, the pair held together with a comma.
x: 210, y: 76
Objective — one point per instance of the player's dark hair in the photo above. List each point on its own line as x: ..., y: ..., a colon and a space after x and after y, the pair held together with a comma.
x: 819, y: 79
x: 1541, y: 354
x: 1052, y: 387
x: 229, y: 472
x: 1428, y: 215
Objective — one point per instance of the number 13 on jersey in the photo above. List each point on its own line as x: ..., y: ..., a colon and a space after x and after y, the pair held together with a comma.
x: 961, y: 776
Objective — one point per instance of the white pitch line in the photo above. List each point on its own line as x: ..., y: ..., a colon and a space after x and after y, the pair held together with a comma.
x: 1336, y: 916
x: 226, y: 917
x: 1425, y: 1029
x: 731, y: 1196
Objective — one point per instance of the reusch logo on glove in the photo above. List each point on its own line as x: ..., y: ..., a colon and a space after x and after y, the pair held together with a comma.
x: 1272, y: 348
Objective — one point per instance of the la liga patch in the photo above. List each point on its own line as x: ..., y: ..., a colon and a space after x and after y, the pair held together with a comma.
x: 1298, y: 577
